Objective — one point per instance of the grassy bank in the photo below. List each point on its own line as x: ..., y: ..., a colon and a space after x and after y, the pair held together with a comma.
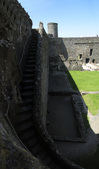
x: 85, y: 80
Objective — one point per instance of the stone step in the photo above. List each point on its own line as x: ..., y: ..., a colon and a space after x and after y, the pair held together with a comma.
x: 32, y: 53
x: 31, y: 58
x: 53, y: 165
x: 27, y: 94
x: 23, y: 125
x: 42, y: 155
x: 33, y: 49
x: 33, y: 45
x: 24, y: 117
x: 28, y: 88
x: 25, y: 109
x: 28, y: 75
x: 29, y: 71
x: 27, y: 135
x: 30, y: 66
x: 26, y: 129
x: 28, y: 101
x: 47, y: 160
x: 28, y: 82
x: 31, y: 62
x: 32, y: 141
x: 36, y: 149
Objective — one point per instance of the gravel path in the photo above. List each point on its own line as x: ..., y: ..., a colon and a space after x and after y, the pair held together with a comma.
x: 89, y: 92
x: 94, y: 122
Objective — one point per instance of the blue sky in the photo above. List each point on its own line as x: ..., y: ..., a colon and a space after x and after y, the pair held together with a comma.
x: 75, y: 18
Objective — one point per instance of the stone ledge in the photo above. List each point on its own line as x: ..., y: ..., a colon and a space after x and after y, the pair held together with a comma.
x: 51, y: 145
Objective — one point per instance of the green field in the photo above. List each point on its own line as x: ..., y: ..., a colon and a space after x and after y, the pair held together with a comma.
x: 86, y: 81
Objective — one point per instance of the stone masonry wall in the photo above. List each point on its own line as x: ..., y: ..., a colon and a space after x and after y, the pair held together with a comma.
x: 44, y: 52
x: 10, y: 76
x: 72, y: 52
x: 15, y: 29
x: 77, y: 46
x: 15, y: 24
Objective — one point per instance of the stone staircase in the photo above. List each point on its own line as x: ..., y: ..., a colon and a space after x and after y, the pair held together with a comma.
x: 24, y: 123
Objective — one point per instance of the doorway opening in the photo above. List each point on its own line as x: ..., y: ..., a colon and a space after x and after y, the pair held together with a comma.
x: 87, y: 60
x: 93, y: 61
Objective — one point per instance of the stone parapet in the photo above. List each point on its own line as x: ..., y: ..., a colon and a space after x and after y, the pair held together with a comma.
x: 43, y: 60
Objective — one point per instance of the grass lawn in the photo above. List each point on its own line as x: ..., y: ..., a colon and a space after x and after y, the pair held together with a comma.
x: 92, y: 101
x: 85, y: 80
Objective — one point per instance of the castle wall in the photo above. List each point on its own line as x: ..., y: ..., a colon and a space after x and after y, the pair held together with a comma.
x: 76, y: 46
x: 15, y: 29
x: 44, y: 55
x: 15, y: 24
x: 73, y: 52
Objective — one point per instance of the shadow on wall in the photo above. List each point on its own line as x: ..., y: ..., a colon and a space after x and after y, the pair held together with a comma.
x: 61, y: 85
x: 78, y: 101
x: 58, y: 54
x: 77, y: 97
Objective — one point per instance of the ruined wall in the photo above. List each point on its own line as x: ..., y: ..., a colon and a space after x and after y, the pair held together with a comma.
x: 15, y: 29
x: 72, y: 52
x: 83, y: 46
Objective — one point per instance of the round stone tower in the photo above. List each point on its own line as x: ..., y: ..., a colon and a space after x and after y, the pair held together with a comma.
x: 53, y: 30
